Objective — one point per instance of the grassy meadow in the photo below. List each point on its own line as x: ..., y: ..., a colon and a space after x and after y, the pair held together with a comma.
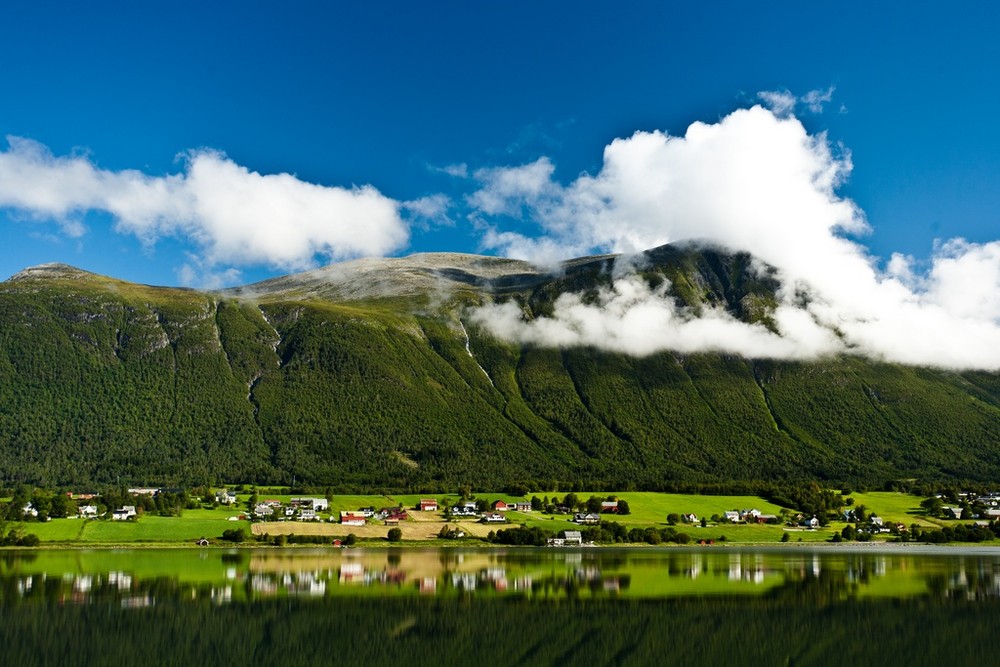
x: 647, y: 510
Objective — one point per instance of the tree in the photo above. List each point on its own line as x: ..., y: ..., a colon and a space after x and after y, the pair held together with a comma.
x: 350, y: 540
x: 784, y: 536
x: 594, y: 504
x: 849, y: 532
x: 394, y: 535
x: 673, y: 518
x: 623, y: 507
x: 932, y: 506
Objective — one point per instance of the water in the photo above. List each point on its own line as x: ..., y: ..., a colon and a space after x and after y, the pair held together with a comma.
x: 911, y: 606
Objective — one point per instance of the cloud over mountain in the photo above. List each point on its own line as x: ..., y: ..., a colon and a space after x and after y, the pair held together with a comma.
x: 755, y: 182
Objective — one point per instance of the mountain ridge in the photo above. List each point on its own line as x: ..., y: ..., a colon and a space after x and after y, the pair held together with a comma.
x: 376, y: 377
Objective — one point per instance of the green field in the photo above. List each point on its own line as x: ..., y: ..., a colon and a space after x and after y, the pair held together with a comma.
x: 647, y: 509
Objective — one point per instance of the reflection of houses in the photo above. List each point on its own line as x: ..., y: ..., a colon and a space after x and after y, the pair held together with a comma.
x: 123, y: 513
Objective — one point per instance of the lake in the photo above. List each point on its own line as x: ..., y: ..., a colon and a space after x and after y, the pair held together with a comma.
x: 716, y: 606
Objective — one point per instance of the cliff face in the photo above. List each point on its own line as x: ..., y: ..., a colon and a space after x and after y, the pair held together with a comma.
x: 373, y: 373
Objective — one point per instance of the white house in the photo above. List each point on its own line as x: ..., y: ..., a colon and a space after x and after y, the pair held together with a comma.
x: 87, y: 511
x: 123, y: 513
x: 225, y: 497
x: 317, y: 504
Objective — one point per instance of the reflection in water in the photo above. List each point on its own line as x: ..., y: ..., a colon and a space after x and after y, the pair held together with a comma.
x: 243, y: 576
x: 440, y: 607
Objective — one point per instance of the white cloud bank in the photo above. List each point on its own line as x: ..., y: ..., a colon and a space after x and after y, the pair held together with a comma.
x: 755, y: 182
x: 235, y: 216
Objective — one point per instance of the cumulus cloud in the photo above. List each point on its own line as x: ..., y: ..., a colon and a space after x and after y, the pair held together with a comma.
x: 757, y: 182
x: 234, y: 215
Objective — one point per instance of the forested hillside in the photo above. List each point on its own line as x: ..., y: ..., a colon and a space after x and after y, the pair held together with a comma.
x: 103, y: 381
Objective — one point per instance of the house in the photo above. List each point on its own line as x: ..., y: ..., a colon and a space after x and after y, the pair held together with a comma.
x: 875, y: 520
x: 307, y: 514
x: 522, y: 507
x: 812, y: 523
x: 494, y: 517
x: 573, y: 538
x: 501, y: 506
x: 951, y: 512
x: 87, y: 511
x: 263, y: 510
x: 690, y: 518
x: 352, y: 519
x: 143, y: 491
x: 123, y: 513
x: 368, y: 512
x: 751, y: 516
x: 225, y: 497
x: 609, y: 507
x: 732, y: 517
x: 427, y: 505
x: 587, y: 518
x: 29, y: 511
x: 317, y: 504
x: 465, y: 509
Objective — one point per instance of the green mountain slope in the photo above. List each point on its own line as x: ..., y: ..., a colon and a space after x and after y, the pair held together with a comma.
x: 369, y: 374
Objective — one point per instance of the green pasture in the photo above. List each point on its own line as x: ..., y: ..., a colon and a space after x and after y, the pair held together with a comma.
x: 896, y: 507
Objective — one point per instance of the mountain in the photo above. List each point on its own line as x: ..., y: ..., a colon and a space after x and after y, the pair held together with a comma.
x: 370, y: 374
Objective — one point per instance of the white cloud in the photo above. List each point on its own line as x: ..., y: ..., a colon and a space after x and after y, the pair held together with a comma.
x: 630, y: 317
x: 783, y: 103
x: 753, y: 182
x: 816, y: 99
x: 429, y: 210
x: 234, y: 215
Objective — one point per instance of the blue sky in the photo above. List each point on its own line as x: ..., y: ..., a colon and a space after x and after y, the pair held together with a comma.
x: 430, y: 106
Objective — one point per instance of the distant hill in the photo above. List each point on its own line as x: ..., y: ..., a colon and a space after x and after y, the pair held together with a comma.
x: 370, y: 374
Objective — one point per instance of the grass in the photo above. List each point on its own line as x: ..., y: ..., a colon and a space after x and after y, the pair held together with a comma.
x: 897, y: 508
x: 647, y: 509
